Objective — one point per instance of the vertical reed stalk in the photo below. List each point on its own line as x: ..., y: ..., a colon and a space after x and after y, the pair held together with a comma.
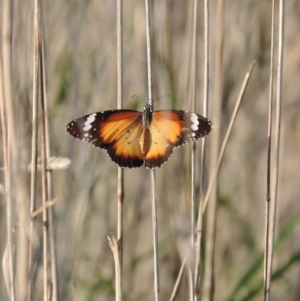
x: 34, y: 144
x: 273, y: 201
x: 45, y: 210
x: 155, y: 237
x: 7, y: 261
x: 194, y: 62
x: 216, y: 117
x: 119, y: 278
x: 52, y: 236
x: 8, y: 138
x: 116, y: 245
x: 44, y: 176
x: 268, y: 196
x: 197, y: 279
x: 153, y: 181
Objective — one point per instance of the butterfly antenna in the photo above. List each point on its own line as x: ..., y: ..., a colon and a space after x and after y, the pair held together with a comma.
x: 162, y: 97
x: 139, y: 98
x: 135, y: 96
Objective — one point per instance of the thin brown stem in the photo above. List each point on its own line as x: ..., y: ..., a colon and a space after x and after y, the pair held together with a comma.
x: 44, y: 181
x: 178, y: 280
x: 149, y: 52
x: 153, y: 182
x: 52, y: 236
x: 268, y: 196
x: 227, y: 135
x: 8, y: 135
x: 198, y: 233
x: 273, y: 203
x: 193, y: 145
x: 215, y: 144
x: 114, y: 246
x: 155, y: 237
x: 7, y: 257
x: 34, y: 143
x: 120, y: 196
x: 208, y: 293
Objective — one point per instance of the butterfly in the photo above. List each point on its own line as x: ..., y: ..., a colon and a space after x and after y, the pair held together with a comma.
x: 133, y: 138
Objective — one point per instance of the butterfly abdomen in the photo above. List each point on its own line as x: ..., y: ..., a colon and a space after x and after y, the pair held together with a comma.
x: 145, y: 140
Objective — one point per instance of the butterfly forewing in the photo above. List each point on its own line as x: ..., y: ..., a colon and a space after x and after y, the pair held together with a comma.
x: 195, y: 127
x: 117, y: 131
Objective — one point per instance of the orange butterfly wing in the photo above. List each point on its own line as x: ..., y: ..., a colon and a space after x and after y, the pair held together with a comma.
x: 173, y: 128
x: 124, y: 132
x: 117, y: 131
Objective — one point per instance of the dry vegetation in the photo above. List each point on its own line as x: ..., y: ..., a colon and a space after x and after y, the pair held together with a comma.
x: 81, y: 77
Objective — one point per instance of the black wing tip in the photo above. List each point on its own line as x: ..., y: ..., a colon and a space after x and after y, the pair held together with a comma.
x: 72, y: 129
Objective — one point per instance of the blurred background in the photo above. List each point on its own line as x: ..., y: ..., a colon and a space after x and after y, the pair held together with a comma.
x: 81, y: 76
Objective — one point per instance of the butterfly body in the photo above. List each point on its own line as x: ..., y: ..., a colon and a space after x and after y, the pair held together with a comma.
x: 145, y: 140
x: 133, y: 138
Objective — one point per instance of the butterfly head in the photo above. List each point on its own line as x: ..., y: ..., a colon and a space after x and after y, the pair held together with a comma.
x: 147, y: 114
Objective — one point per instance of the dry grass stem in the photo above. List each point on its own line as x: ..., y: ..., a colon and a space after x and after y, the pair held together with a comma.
x: 49, y: 242
x: 178, y: 280
x: 7, y: 264
x: 207, y: 290
x: 273, y: 200
x: 44, y: 184
x: 121, y: 193
x: 193, y: 144
x: 198, y: 233
x: 228, y: 132
x: 268, y: 193
x: 34, y: 145
x: 114, y: 245
x: 152, y: 172
x: 54, y: 290
x: 8, y: 139
x: 49, y: 203
x: 149, y: 52
x: 155, y: 237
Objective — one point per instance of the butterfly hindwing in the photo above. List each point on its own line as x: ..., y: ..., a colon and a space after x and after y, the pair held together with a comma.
x: 173, y: 128
x: 117, y: 131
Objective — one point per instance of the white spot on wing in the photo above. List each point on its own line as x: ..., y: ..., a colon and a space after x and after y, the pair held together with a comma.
x: 89, y: 121
x: 195, y: 122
